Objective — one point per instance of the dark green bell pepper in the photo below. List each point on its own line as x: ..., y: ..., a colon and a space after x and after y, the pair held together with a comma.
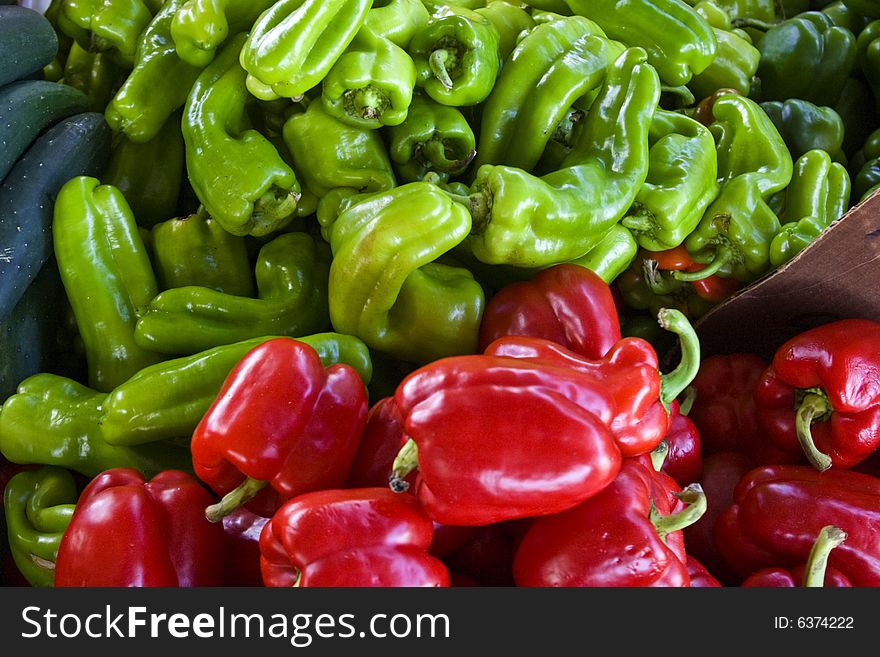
x: 805, y: 127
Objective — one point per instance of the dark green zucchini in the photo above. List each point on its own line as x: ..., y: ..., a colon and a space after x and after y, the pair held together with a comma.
x: 27, y: 42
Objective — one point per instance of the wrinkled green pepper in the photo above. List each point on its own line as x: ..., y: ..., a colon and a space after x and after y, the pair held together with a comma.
x: 291, y: 276
x: 38, y: 505
x: 385, y: 286
x: 53, y: 420
x: 734, y: 66
x: 293, y: 45
x: 107, y: 275
x: 805, y: 127
x: 681, y: 182
x: 168, y: 399
x: 509, y: 19
x: 97, y: 75
x: 397, y: 20
x: 817, y: 196
x: 112, y: 26
x: 433, y: 137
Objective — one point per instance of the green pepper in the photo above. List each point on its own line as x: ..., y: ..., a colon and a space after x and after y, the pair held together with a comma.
x: 733, y: 237
x: 328, y: 153
x: 167, y: 400
x: 157, y: 86
x: 397, y: 20
x: 200, y: 27
x: 112, y: 26
x: 53, y: 420
x: 97, y: 75
x: 385, y: 286
x: 107, y: 275
x: 806, y: 57
x: 759, y: 10
x: 510, y: 20
x: 433, y: 137
x: 38, y: 505
x: 844, y: 16
x: 866, y: 181
x: 149, y: 174
x: 195, y: 250
x: 54, y: 14
x: 868, y: 57
x: 680, y: 43
x: 681, y: 182
x: 857, y: 109
x: 293, y: 45
x: 523, y: 220
x: 733, y: 67
x: 236, y: 172
x: 643, y: 288
x: 805, y: 127
x: 291, y: 276
x: 457, y: 56
x: 864, y: 7
x: 817, y: 196
x: 869, y: 150
x: 554, y: 65
x: 612, y: 255
x: 371, y: 84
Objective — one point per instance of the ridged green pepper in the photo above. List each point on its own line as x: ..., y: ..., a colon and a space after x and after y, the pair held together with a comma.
x: 157, y: 85
x: 293, y: 45
x: 53, y: 420
x: 509, y: 19
x: 817, y: 196
x: 291, y: 275
x: 526, y: 221
x: 385, y: 286
x: 734, y: 66
x: 681, y: 182
x: 107, y: 275
x: 371, y: 84
x: 397, y: 20
x: 433, y: 137
x: 457, y: 56
x: 805, y: 127
x: 195, y: 250
x: 236, y: 172
x: 680, y: 43
x: 97, y: 75
x: 168, y: 399
x: 38, y: 505
x: 200, y: 27
x: 112, y: 26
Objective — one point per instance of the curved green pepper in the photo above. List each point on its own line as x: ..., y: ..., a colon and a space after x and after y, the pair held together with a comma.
x: 433, y: 137
x: 520, y: 219
x: 291, y: 275
x: 53, y: 420
x: 397, y: 20
x: 293, y: 45
x: 681, y: 182
x: 385, y: 286
x: 38, y: 505
x: 805, y: 127
x: 112, y: 26
x: 612, y: 255
x: 195, y: 250
x: 457, y: 56
x: 371, y: 84
x: 107, y: 275
x: 168, y: 399
x: 734, y: 66
x: 817, y: 196
x: 509, y: 19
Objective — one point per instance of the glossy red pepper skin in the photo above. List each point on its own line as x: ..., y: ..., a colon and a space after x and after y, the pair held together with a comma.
x: 713, y: 289
x: 566, y: 303
x: 836, y: 368
x: 778, y: 511
x: 701, y: 578
x: 684, y: 460
x: 281, y: 417
x: 781, y: 578
x: 609, y: 540
x: 355, y: 537
x: 241, y: 531
x: 382, y: 439
x: 129, y: 532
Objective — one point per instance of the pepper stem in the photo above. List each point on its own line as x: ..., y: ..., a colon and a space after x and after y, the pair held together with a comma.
x: 406, y: 461
x: 275, y: 204
x: 655, y: 281
x: 234, y: 499
x: 434, y: 152
x: 640, y: 222
x: 754, y: 23
x: 366, y: 103
x: 438, y: 62
x: 814, y: 405
x: 685, y: 95
x: 829, y: 538
x: 695, y: 499
x: 686, y: 404
x: 723, y: 255
x: 478, y: 207
x: 659, y: 454
x: 676, y: 381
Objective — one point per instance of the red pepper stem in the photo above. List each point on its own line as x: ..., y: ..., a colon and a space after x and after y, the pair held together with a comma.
x: 817, y: 563
x: 676, y: 381
x: 813, y: 405
x: 234, y: 499
x: 406, y: 461
x: 438, y: 61
x: 695, y: 499
x: 659, y: 454
x: 723, y: 254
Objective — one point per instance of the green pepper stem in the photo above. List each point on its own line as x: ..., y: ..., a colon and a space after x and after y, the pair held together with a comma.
x: 234, y: 499
x: 406, y: 461
x: 813, y: 405
x: 817, y: 563
x: 438, y: 61
x: 686, y: 404
x: 434, y: 152
x: 684, y: 94
x: 276, y: 204
x: 695, y: 499
x: 640, y: 222
x: 723, y: 255
x: 675, y: 382
x: 655, y: 281
x: 659, y: 454
x: 478, y: 207
x: 368, y: 103
x: 98, y: 44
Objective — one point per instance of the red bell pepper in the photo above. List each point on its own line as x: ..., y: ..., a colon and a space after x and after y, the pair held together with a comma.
x: 627, y: 535
x: 566, y: 303
x: 814, y: 573
x: 354, y: 538
x: 485, y: 554
x: 382, y: 439
x: 241, y: 531
x: 126, y: 531
x: 779, y: 510
x: 700, y: 577
x: 821, y: 394
x: 281, y: 418
x: 683, y: 459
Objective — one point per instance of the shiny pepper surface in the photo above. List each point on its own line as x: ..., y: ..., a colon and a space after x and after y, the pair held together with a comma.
x: 111, y: 25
